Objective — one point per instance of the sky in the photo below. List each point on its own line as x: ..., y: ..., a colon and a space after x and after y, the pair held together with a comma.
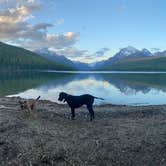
x: 84, y: 30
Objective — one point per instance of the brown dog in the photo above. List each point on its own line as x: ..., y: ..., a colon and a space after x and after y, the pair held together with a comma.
x: 28, y: 104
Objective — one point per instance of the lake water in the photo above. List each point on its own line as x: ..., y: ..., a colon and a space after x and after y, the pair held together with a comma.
x: 116, y: 88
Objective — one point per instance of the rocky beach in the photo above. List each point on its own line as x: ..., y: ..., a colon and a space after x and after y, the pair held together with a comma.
x: 120, y: 135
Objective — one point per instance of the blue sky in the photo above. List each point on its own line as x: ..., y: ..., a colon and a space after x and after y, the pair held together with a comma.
x: 85, y: 30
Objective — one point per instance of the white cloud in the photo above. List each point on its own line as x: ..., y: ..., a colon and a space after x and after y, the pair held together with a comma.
x: 17, y: 15
x: 31, y: 1
x: 101, y: 52
x: 2, y: 1
x: 70, y: 52
x: 15, y: 27
x: 83, y: 55
x: 59, y: 22
x: 40, y: 39
x: 155, y: 49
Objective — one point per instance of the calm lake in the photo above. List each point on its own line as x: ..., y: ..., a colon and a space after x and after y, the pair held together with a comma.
x: 116, y: 88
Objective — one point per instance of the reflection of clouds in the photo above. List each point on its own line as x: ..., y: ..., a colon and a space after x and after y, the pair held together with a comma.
x: 77, y: 87
x: 128, y: 91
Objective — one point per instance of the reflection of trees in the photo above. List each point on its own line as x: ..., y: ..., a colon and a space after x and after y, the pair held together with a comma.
x: 15, y: 82
x: 133, y: 83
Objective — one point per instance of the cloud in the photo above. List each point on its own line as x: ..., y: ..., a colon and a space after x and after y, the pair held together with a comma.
x: 59, y: 22
x: 42, y: 26
x: 18, y: 14
x: 83, y: 55
x: 31, y: 1
x: 70, y: 52
x: 2, y: 1
x: 57, y: 41
x: 14, y: 21
x: 155, y: 49
x: 15, y: 27
x: 101, y: 52
x: 62, y: 40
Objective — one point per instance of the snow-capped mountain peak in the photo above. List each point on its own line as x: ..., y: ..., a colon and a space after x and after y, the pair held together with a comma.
x: 146, y: 52
x: 128, y: 51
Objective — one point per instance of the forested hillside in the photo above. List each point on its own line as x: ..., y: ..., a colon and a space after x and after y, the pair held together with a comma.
x: 12, y: 57
x: 142, y: 64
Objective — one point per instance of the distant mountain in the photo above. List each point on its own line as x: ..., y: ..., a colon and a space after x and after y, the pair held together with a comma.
x: 82, y: 66
x: 98, y: 65
x: 127, y: 59
x: 44, y: 52
x: 129, y: 53
x: 146, y: 53
x: 12, y: 57
x: 163, y: 53
x: 125, y: 54
x: 154, y: 63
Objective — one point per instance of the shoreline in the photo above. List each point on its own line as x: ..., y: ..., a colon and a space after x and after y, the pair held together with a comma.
x: 95, y: 105
x: 97, y: 71
x: 119, y: 135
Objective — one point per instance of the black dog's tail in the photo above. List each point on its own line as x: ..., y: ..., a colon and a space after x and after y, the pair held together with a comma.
x: 98, y: 98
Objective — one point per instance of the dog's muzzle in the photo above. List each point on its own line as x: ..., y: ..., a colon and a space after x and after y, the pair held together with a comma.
x: 60, y: 99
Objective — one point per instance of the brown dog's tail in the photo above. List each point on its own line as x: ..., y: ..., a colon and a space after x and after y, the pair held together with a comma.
x: 38, y: 98
x: 98, y: 98
x: 34, y: 102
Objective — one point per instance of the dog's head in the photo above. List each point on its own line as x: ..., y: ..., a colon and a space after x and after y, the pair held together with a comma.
x: 62, y: 96
x: 22, y: 104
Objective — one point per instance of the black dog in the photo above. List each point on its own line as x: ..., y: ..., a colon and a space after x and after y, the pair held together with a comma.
x: 78, y: 101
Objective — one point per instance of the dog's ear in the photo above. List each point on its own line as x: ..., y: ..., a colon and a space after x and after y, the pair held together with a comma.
x: 20, y: 102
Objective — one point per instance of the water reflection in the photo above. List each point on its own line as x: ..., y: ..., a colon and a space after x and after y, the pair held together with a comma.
x: 115, y: 88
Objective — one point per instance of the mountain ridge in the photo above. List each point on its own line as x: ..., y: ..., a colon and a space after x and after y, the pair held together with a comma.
x: 13, y: 57
x: 129, y: 55
x: 46, y: 53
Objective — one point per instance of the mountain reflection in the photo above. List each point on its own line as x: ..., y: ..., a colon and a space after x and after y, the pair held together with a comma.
x: 133, y: 83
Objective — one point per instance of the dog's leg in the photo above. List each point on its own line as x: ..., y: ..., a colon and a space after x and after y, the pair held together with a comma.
x: 93, y: 114
x: 29, y: 107
x: 90, y: 109
x: 72, y: 114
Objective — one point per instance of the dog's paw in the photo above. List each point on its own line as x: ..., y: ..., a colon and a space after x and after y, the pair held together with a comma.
x: 72, y: 118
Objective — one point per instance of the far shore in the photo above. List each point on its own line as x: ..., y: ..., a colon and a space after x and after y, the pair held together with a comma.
x: 120, y: 135
x: 99, y: 71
